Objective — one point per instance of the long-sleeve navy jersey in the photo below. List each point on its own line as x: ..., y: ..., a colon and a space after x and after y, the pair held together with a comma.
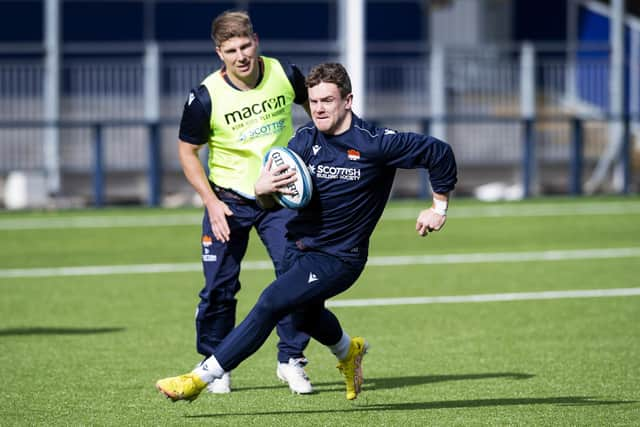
x: 352, y: 174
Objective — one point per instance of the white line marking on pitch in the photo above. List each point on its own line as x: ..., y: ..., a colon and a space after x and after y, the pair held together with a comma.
x: 506, y: 257
x: 122, y: 221
x: 517, y: 296
x: 578, y: 254
x: 541, y: 210
x: 390, y: 214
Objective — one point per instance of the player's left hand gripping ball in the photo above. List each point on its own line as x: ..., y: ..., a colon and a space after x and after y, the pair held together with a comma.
x: 301, y: 188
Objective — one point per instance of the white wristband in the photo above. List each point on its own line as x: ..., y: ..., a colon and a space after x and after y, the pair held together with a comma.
x: 440, y: 206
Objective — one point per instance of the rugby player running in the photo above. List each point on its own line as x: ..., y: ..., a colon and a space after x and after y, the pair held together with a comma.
x: 352, y: 164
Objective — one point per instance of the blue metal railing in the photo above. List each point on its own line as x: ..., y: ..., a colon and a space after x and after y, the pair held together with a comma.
x: 154, y: 163
x: 154, y: 166
x: 576, y: 155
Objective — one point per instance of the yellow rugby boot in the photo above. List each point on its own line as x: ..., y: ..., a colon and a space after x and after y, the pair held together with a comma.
x: 351, y: 366
x: 183, y: 387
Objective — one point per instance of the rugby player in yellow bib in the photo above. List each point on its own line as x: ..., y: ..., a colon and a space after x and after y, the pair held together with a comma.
x: 239, y: 112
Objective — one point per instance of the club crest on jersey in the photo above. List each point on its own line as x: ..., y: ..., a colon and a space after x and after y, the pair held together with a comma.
x: 353, y: 154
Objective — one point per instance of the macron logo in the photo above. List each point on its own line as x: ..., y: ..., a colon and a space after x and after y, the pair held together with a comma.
x: 315, y: 149
x: 191, y: 98
x: 312, y: 278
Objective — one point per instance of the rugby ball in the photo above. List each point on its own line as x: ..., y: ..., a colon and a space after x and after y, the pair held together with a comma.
x: 302, y: 187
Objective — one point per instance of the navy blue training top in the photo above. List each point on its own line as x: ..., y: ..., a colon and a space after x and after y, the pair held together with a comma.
x: 352, y: 174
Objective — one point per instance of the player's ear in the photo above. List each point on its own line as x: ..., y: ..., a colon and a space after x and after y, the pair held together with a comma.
x: 348, y: 101
x: 219, y: 52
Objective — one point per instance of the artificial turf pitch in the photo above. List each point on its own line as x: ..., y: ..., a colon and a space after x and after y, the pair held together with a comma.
x: 85, y: 347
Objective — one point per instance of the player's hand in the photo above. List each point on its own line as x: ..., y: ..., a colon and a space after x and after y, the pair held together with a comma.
x: 218, y: 213
x: 429, y: 221
x: 274, y: 181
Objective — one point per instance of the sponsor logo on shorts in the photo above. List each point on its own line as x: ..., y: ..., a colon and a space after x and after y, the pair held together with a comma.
x: 209, y: 258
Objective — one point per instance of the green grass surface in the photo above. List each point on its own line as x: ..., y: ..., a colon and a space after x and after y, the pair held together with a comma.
x: 86, y: 350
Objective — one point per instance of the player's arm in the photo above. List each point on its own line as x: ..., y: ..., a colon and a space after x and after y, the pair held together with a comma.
x: 441, y: 164
x: 434, y: 218
x: 193, y: 170
x: 412, y: 150
x: 195, y: 174
x: 194, y: 131
x: 297, y: 80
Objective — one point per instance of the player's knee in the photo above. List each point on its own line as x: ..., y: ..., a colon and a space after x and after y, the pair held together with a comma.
x: 271, y: 305
x: 265, y: 306
x: 305, y: 319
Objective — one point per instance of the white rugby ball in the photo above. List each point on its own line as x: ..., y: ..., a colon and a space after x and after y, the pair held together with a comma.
x: 302, y: 187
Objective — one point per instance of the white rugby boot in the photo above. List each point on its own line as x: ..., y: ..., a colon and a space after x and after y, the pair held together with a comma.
x: 220, y: 385
x: 293, y: 373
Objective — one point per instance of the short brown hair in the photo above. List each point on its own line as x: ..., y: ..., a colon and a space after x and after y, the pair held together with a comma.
x: 330, y: 72
x: 231, y: 24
